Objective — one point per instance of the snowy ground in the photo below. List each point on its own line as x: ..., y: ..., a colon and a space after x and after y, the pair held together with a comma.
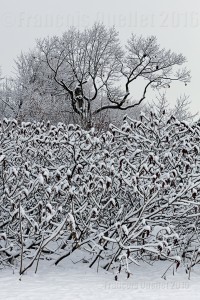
x: 77, y: 281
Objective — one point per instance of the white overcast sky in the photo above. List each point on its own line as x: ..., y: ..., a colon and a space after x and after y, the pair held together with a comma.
x: 176, y: 23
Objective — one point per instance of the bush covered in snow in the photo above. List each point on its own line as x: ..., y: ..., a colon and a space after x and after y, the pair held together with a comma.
x: 128, y: 195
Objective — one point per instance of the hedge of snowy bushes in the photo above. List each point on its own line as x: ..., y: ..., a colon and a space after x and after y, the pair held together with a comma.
x: 127, y: 195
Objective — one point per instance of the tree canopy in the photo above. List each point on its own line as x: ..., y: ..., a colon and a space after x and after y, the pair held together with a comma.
x: 96, y: 73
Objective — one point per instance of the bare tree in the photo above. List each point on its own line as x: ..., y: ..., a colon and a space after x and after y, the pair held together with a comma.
x: 181, y: 109
x: 94, y: 60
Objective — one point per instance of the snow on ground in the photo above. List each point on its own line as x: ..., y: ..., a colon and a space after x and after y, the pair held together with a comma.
x: 76, y: 281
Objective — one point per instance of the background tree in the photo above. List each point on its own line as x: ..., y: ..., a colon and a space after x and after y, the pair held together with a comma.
x: 180, y: 110
x: 7, y: 103
x: 95, y: 73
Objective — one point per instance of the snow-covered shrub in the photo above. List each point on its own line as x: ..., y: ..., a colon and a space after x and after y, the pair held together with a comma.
x: 128, y: 195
